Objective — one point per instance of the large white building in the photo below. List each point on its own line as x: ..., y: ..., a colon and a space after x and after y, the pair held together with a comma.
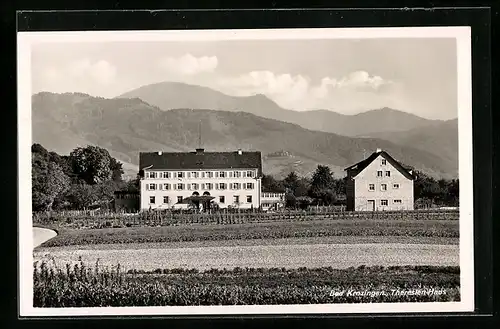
x: 168, y: 178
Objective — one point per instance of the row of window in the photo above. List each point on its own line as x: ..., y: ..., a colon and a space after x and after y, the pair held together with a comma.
x: 383, y: 187
x: 272, y: 195
x: 201, y: 174
x: 196, y: 186
x: 380, y: 173
x: 222, y: 199
x: 386, y: 202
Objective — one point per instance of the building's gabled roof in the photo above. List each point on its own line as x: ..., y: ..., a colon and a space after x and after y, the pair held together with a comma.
x: 200, y: 160
x: 360, y: 166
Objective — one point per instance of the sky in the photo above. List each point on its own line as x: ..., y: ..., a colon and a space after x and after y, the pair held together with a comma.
x: 349, y: 76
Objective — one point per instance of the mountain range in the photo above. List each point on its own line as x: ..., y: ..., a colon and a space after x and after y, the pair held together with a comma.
x: 126, y: 126
x: 175, y: 95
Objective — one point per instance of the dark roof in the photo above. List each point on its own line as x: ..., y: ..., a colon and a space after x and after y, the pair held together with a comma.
x: 200, y: 160
x: 360, y: 166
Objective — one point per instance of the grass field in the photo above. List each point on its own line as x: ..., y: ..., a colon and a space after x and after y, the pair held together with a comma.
x: 446, y: 229
x: 81, y: 286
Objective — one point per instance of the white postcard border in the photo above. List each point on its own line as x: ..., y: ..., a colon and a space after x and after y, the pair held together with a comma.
x: 463, y: 40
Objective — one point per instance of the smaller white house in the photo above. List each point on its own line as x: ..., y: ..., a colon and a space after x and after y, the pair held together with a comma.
x: 272, y: 200
x: 379, y: 183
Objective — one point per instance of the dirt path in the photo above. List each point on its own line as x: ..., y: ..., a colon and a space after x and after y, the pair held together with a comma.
x: 40, y: 235
x: 289, y: 256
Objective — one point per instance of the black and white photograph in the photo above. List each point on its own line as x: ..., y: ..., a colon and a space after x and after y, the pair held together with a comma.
x: 245, y: 171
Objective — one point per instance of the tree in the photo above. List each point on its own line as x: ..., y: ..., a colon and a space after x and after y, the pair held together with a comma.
x: 116, y: 168
x: 323, y: 186
x: 269, y: 183
x: 82, y: 196
x: 291, y: 182
x: 92, y: 164
x: 48, y: 182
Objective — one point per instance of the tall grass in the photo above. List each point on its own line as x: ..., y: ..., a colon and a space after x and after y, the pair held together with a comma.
x: 94, y: 286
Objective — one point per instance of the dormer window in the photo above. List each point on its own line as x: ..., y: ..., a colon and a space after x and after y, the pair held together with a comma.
x: 384, y: 162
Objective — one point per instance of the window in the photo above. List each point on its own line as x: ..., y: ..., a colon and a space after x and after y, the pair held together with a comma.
x: 236, y: 186
x: 165, y: 199
x: 222, y: 174
x: 152, y: 186
x: 166, y: 175
x: 180, y: 174
x: 388, y: 174
x: 166, y: 186
x: 383, y: 187
x: 371, y: 187
x: 383, y: 202
x: 194, y: 174
x: 222, y: 199
x: 379, y: 173
x: 194, y: 186
x: 208, y: 174
x: 237, y: 174
x: 397, y: 201
x: 250, y: 173
x: 180, y: 186
x: 249, y: 186
x: 152, y: 199
x: 150, y: 174
x: 209, y: 186
x: 236, y: 199
x: 222, y: 186
x: 395, y: 186
x: 179, y: 198
x: 249, y: 199
x: 384, y: 162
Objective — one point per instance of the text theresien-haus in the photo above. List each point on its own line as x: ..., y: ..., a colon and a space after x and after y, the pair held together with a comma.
x: 379, y: 183
x: 232, y: 178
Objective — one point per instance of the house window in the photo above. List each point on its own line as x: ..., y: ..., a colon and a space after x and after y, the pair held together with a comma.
x: 236, y: 199
x: 379, y: 173
x: 151, y: 199
x: 249, y: 199
x: 208, y: 174
x: 209, y: 186
x: 180, y: 174
x: 388, y: 174
x: 237, y: 174
x: 166, y: 175
x: 222, y: 186
x: 384, y: 202
x: 222, y: 199
x: 384, y: 162
x: 249, y: 186
x: 250, y: 173
x: 179, y: 199
x: 395, y: 186
x: 166, y: 186
x: 383, y: 187
x: 194, y: 186
x: 236, y: 186
x: 180, y: 186
x: 371, y: 187
x: 397, y: 201
x: 165, y: 199
x: 194, y: 174
x: 150, y: 174
x: 222, y: 174
x: 152, y: 187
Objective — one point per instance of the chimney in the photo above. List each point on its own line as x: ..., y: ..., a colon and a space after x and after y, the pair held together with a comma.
x: 160, y: 152
x: 379, y: 150
x: 239, y: 151
x: 199, y: 151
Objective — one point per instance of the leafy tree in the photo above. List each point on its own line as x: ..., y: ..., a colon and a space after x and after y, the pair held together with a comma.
x: 323, y: 186
x: 116, y: 168
x: 82, y: 196
x: 92, y: 164
x: 48, y: 182
x: 291, y: 182
x: 269, y: 183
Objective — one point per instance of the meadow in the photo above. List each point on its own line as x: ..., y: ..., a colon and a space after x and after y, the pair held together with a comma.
x: 412, y: 228
x: 93, y: 286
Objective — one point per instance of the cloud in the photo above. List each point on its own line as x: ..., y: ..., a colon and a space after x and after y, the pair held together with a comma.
x: 188, y: 64
x: 101, y: 72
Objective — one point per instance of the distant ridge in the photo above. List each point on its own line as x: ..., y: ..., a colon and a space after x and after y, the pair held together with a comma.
x: 175, y: 95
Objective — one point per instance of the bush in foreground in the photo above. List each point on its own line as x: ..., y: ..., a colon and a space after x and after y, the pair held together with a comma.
x: 82, y: 286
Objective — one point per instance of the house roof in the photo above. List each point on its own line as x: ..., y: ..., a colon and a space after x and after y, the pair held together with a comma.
x: 360, y: 166
x: 200, y: 160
